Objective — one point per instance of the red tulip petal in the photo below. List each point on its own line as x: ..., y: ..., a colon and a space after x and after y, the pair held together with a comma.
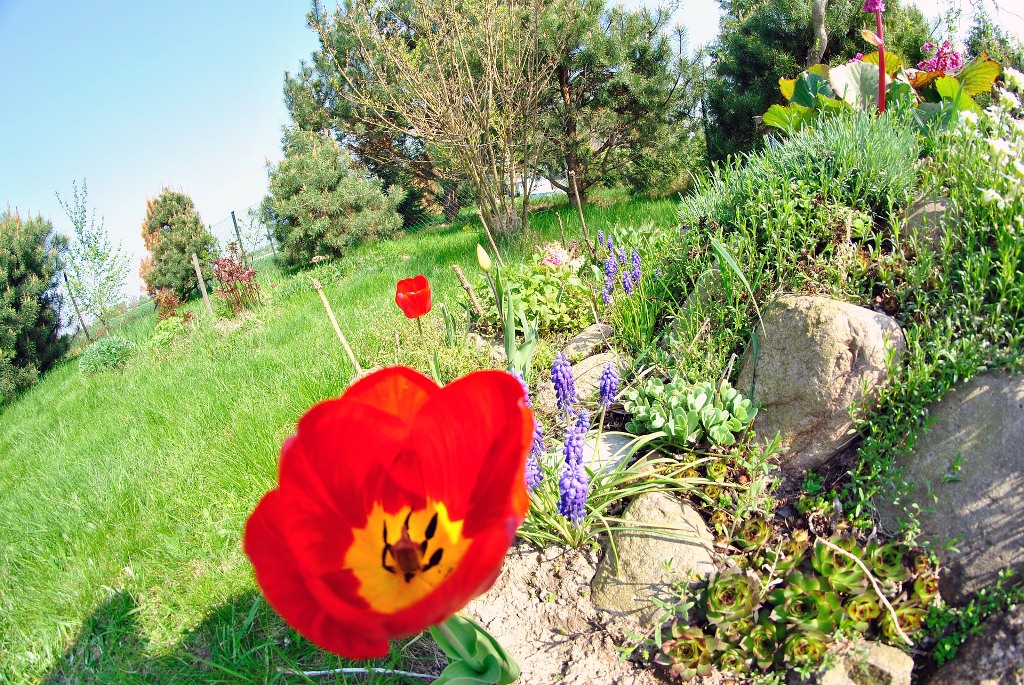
x: 468, y: 448
x: 354, y: 635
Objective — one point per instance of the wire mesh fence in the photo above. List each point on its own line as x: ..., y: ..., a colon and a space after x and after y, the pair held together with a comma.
x: 244, y: 228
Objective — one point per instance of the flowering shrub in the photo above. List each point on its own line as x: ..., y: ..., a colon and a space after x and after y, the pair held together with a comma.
x: 238, y: 286
x: 945, y: 59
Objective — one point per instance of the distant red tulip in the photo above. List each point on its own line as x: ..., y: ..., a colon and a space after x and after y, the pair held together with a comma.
x: 413, y: 296
x: 395, y: 506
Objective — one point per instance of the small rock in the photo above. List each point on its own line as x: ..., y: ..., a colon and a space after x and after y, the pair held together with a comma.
x: 926, y: 217
x: 993, y: 657
x: 650, y: 561
x: 870, y: 663
x: 971, y: 459
x: 815, y: 358
x: 494, y: 348
x: 590, y: 342
x: 612, y: 450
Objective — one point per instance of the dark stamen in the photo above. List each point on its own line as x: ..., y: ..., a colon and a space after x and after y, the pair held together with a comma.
x: 435, y: 559
x: 431, y: 527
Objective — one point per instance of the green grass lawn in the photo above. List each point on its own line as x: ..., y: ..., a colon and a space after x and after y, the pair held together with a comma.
x: 125, y: 494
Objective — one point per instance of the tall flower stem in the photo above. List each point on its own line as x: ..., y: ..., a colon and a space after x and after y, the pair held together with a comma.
x: 881, y: 61
x: 459, y: 648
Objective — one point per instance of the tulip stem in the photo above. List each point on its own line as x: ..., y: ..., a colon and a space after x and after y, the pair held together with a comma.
x: 419, y: 324
x: 356, y: 671
x: 455, y: 644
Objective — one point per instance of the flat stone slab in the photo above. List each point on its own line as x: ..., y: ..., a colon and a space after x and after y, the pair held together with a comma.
x: 590, y: 342
x: 971, y: 460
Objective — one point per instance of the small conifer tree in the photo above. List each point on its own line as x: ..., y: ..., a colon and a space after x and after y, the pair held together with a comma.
x: 320, y: 202
x: 172, y: 232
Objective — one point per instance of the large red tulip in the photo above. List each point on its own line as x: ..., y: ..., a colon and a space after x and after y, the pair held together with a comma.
x: 413, y: 296
x: 395, y: 506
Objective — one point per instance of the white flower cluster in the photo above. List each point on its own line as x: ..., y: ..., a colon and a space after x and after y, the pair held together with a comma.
x: 997, y: 134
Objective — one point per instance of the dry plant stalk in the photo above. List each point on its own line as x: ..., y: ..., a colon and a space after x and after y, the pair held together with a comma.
x: 469, y: 290
x: 337, y: 329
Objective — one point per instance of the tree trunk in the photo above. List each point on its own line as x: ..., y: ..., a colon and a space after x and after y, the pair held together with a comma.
x: 451, y: 203
x: 573, y: 166
x: 820, y: 34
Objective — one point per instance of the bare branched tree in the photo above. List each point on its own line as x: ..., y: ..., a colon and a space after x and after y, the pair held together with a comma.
x: 464, y: 76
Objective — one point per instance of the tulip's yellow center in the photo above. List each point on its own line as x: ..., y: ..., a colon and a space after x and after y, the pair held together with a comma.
x: 400, y: 558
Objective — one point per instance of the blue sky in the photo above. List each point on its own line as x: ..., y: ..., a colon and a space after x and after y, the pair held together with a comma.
x: 133, y: 96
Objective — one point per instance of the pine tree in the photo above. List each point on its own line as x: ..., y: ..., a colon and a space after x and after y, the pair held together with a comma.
x: 30, y: 301
x: 173, y: 232
x: 320, y: 202
x: 96, y: 270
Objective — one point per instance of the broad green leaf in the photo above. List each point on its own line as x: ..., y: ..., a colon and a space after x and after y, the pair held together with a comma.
x: 893, y: 62
x: 856, y: 83
x: 819, y: 70
x: 786, y: 87
x: 808, y: 86
x: 790, y: 118
x: 950, y: 89
x: 979, y: 75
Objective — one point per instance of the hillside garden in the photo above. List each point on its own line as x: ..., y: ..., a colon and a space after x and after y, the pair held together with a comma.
x: 706, y: 412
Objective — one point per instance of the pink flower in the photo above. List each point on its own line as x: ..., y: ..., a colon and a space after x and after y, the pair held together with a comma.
x: 946, y: 59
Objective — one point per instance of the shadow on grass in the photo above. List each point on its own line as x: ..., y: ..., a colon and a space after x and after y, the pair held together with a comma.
x: 241, y: 641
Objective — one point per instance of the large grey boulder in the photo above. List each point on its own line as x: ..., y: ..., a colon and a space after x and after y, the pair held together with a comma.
x: 649, y: 561
x: 815, y: 358
x: 607, y: 453
x: 869, y: 663
x: 995, y: 656
x: 967, y: 473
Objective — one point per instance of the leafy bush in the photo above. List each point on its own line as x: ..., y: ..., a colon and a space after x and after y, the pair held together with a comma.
x: 688, y: 414
x: 551, y: 294
x: 166, y: 302
x: 111, y: 352
x: 238, y: 286
x: 167, y: 330
x: 30, y: 340
x: 173, y: 232
x: 321, y: 203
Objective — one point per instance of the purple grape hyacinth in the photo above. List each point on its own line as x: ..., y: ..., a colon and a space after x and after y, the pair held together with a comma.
x: 609, y: 385
x: 600, y: 237
x: 627, y: 283
x: 574, y: 482
x: 561, y: 378
x: 533, y: 473
x: 635, y: 273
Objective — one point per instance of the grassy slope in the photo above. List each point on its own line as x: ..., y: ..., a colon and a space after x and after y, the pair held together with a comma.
x: 126, y: 494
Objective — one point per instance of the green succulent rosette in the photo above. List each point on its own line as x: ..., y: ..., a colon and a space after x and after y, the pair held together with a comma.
x: 720, y: 520
x: 762, y: 643
x: 733, y: 632
x: 910, y: 616
x: 804, y: 648
x: 733, y: 660
x: 842, y: 573
x: 888, y: 563
x: 926, y: 588
x: 859, y: 612
x: 919, y: 562
x: 688, y: 653
x: 805, y: 603
x: 731, y: 596
x: 789, y: 554
x: 753, y: 534
x: 717, y: 471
